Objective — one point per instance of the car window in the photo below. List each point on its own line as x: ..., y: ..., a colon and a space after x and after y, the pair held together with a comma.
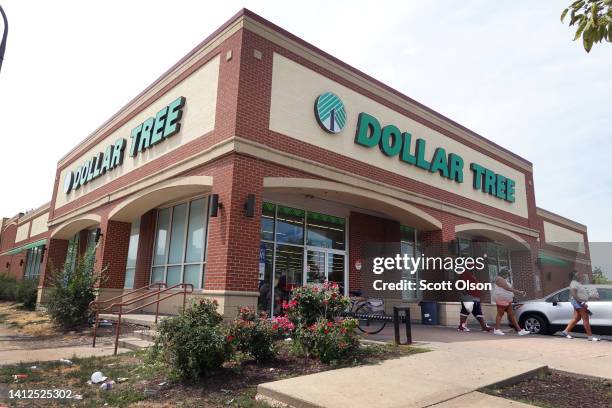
x: 562, y: 296
x: 605, y: 294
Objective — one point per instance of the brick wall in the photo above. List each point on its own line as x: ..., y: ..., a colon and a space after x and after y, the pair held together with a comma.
x: 146, y: 243
x: 112, y: 253
x: 55, y: 257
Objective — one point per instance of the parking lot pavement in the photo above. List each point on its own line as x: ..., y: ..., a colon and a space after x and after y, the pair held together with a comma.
x: 577, y: 355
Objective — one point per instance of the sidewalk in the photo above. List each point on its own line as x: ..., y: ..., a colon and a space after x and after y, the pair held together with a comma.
x: 420, y: 380
x: 577, y: 356
x: 16, y: 349
x: 15, y: 356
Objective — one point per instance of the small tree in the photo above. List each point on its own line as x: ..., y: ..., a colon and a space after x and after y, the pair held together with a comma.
x: 193, y: 343
x: 73, y: 289
x: 599, y: 277
x: 593, y: 19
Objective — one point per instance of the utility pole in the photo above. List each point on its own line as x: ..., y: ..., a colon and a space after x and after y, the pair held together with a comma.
x: 3, y: 43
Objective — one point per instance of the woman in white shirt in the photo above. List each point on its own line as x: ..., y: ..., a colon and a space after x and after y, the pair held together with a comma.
x: 579, y: 295
x: 503, y: 294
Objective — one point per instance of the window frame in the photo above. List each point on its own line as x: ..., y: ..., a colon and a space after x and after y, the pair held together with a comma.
x: 33, y: 262
x: 415, y: 250
x: 183, y: 264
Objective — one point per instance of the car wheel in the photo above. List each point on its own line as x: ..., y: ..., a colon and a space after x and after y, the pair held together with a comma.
x: 536, y: 324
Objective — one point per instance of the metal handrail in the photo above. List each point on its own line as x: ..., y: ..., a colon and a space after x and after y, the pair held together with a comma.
x: 186, y: 288
x: 97, y: 302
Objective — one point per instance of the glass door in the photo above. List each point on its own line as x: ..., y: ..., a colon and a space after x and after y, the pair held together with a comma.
x: 316, y: 267
x: 324, y: 265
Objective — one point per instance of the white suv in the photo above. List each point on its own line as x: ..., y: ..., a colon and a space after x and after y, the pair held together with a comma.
x: 552, y: 313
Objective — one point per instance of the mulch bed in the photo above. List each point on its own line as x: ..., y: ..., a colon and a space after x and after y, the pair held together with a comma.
x: 559, y: 390
x: 236, y: 383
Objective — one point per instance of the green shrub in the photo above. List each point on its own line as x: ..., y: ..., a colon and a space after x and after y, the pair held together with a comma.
x: 27, y: 292
x: 253, y: 334
x: 193, y: 343
x: 8, y: 287
x: 73, y: 289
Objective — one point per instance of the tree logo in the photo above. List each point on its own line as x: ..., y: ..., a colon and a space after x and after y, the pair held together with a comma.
x: 330, y: 112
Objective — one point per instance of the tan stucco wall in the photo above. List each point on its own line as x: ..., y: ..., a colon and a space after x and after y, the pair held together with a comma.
x: 294, y: 90
x: 39, y: 224
x: 563, y: 237
x: 22, y: 232
x: 200, y: 91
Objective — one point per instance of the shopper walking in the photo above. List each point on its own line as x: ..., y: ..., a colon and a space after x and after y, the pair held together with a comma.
x: 474, y: 296
x: 503, y: 294
x: 579, y: 295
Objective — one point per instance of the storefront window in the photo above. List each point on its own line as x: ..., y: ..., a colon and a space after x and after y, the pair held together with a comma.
x: 33, y: 261
x: 73, y: 252
x: 498, y: 257
x: 130, y: 267
x: 408, y: 244
x: 290, y: 225
x: 297, y: 247
x: 180, y: 244
x: 325, y: 231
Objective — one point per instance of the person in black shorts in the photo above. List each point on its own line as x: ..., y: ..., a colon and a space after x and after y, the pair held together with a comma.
x: 473, y: 296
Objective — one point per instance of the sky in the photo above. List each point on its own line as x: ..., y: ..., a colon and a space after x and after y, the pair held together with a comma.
x: 508, y: 70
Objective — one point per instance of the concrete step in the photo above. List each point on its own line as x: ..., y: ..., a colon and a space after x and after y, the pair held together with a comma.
x: 134, y: 343
x: 148, y: 335
x: 147, y: 320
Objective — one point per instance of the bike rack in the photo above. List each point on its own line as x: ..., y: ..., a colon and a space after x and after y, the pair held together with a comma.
x: 396, y: 319
x: 185, y: 288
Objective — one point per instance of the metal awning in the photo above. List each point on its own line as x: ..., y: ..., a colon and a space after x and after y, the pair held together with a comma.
x: 25, y: 247
x: 552, y: 260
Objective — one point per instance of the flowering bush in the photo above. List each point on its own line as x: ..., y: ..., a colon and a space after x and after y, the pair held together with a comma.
x: 193, y: 343
x: 330, y: 341
x: 310, y: 303
x: 282, y: 326
x: 313, y: 317
x: 253, y: 334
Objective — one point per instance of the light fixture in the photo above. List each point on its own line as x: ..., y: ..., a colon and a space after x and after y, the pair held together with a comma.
x: 214, y: 205
x: 249, y: 205
x: 98, y: 235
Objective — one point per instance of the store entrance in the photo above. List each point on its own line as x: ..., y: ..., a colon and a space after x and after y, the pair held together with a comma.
x: 298, y: 247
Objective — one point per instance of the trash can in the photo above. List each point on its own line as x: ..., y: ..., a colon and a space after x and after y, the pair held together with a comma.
x: 429, y: 312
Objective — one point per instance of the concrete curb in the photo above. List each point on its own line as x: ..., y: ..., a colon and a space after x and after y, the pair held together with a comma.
x: 278, y: 399
x: 518, y: 378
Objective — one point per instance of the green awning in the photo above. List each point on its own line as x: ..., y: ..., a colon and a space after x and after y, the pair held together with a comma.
x: 25, y: 247
x: 552, y: 260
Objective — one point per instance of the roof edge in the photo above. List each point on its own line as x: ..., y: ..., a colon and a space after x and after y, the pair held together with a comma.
x: 560, y: 219
x: 244, y: 12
